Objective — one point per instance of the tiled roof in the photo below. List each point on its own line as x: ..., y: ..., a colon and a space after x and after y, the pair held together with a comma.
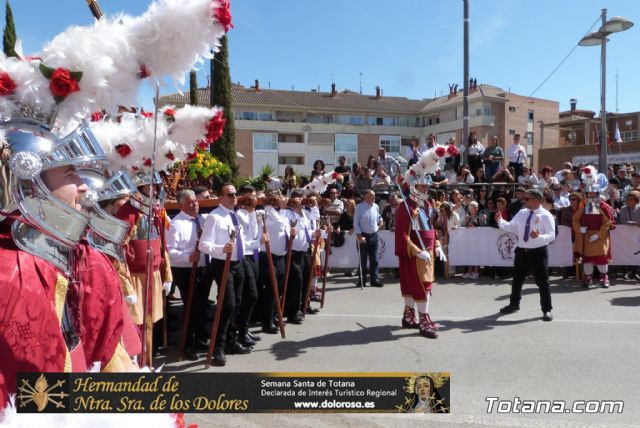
x: 484, y: 91
x: 345, y: 100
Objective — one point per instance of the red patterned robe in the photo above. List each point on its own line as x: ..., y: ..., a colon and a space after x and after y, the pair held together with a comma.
x: 416, y: 275
x: 31, y: 304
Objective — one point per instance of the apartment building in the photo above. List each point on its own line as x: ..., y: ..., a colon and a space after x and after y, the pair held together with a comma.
x: 578, y: 132
x: 282, y: 127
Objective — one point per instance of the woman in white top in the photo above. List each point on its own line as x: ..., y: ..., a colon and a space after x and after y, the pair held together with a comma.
x: 528, y: 178
x: 475, y: 151
x: 448, y: 217
x: 546, y: 179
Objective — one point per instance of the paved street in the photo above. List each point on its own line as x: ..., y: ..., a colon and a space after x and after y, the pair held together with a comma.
x: 589, y: 351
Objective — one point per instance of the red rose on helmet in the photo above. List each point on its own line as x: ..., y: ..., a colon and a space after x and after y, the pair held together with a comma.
x: 440, y: 152
x: 143, y: 73
x: 170, y: 156
x: 7, y: 85
x: 412, y: 172
x: 215, y: 127
x: 587, y: 170
x: 62, y: 83
x: 123, y: 150
x: 146, y: 114
x: 223, y: 15
x: 451, y: 150
x: 147, y: 162
x: 96, y: 116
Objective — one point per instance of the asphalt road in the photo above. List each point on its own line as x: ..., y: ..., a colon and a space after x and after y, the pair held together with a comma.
x: 589, y: 351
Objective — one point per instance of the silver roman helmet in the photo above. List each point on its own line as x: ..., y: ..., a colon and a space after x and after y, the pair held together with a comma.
x: 143, y: 178
x: 32, y: 150
x: 106, y: 233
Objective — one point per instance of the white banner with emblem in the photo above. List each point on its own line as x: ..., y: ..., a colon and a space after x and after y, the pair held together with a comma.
x: 487, y: 246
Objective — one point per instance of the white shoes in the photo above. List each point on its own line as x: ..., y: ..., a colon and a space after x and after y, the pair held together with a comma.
x: 470, y: 275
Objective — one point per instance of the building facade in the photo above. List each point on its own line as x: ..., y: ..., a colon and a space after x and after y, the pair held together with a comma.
x: 281, y: 128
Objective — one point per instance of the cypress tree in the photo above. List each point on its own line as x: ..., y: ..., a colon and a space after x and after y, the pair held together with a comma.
x: 225, y: 148
x: 193, y: 88
x: 9, y: 35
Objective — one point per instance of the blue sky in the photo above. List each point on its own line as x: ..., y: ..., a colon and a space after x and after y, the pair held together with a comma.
x: 410, y: 48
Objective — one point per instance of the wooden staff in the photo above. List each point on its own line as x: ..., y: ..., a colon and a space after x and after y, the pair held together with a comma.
x: 316, y: 244
x: 94, y: 7
x: 187, y: 306
x: 287, y: 270
x: 272, y: 273
x: 327, y: 249
x: 220, y: 302
x: 446, y: 252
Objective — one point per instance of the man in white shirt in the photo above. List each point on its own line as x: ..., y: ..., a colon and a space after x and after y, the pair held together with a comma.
x: 517, y: 155
x: 279, y: 232
x: 184, y: 231
x: 252, y: 236
x: 216, y: 242
x: 535, y: 228
x: 300, y: 258
x: 272, y: 183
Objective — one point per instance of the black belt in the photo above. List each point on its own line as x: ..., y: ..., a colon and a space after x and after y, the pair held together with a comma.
x: 369, y: 234
x: 530, y: 250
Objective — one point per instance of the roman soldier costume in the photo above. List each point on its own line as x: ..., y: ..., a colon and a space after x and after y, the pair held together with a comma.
x: 592, y: 223
x: 416, y: 242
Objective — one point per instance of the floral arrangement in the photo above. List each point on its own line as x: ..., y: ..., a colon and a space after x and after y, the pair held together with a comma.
x: 204, y: 165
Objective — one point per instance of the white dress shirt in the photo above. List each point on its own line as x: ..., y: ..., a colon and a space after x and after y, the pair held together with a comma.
x: 517, y: 154
x: 181, y: 240
x: 278, y: 229
x: 305, y: 229
x: 250, y: 231
x: 541, y: 221
x: 274, y: 184
x: 216, y: 234
x: 476, y: 149
x: 531, y: 179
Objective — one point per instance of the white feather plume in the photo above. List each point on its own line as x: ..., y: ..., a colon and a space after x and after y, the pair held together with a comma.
x: 190, y: 128
x: 173, y: 35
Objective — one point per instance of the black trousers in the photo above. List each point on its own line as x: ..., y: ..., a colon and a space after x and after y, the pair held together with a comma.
x: 475, y: 163
x: 266, y: 301
x: 202, y: 287
x: 249, y: 293
x: 369, y: 251
x: 232, y: 298
x: 538, y: 260
x: 298, y: 281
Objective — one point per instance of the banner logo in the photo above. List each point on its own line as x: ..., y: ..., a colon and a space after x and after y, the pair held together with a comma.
x: 41, y: 393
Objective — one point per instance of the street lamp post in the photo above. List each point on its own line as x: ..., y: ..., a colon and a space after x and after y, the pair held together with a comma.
x: 614, y: 25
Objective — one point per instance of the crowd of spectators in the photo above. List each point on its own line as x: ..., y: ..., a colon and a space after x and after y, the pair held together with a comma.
x: 468, y: 194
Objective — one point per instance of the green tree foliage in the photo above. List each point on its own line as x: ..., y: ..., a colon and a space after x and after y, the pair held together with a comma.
x: 193, y: 88
x: 225, y: 148
x: 9, y: 36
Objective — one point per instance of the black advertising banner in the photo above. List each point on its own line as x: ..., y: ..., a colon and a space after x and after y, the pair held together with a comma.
x: 233, y: 392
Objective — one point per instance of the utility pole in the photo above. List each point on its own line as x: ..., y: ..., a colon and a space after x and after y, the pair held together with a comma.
x: 465, y: 102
